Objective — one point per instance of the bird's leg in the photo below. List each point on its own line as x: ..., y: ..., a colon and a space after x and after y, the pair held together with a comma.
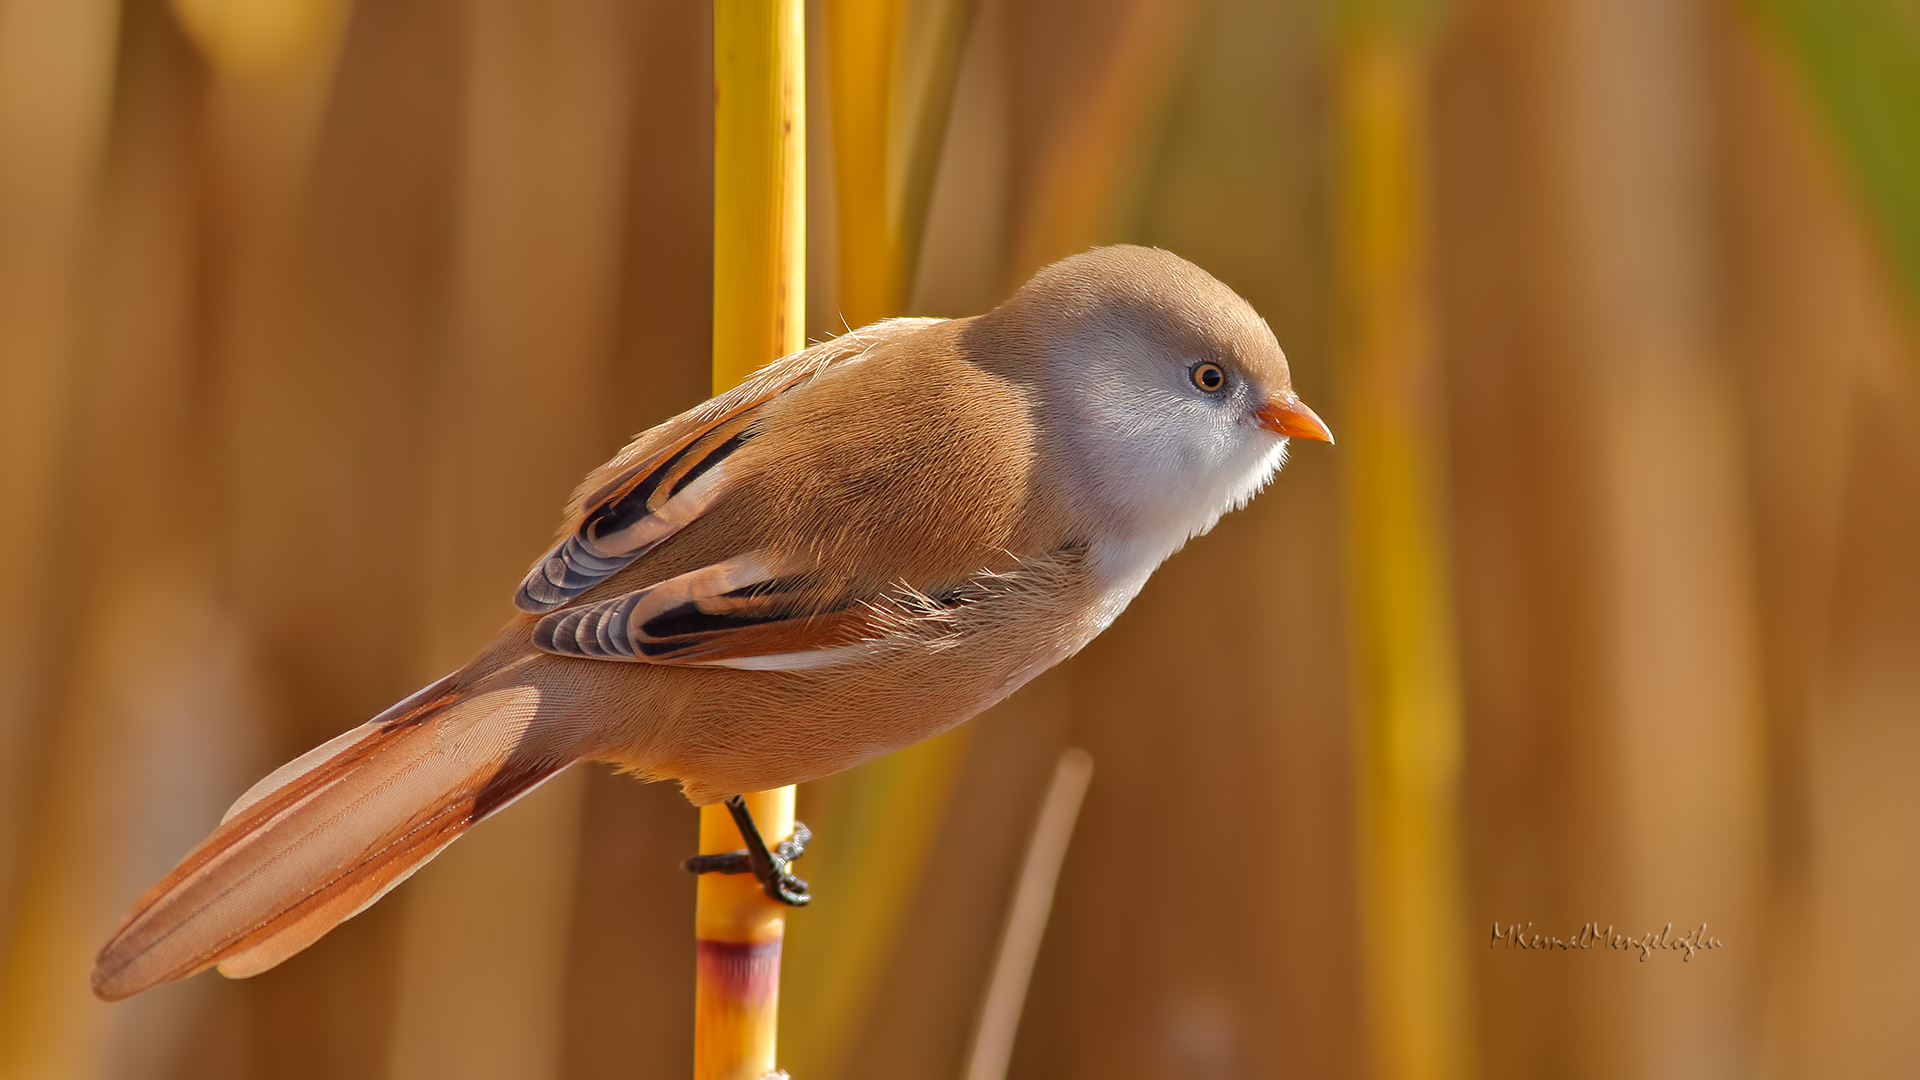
x: 769, y: 868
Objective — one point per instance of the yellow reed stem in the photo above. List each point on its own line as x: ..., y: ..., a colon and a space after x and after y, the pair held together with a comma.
x: 1407, y: 737
x: 759, y: 305
x: 759, y: 185
x: 737, y: 935
x: 861, y: 41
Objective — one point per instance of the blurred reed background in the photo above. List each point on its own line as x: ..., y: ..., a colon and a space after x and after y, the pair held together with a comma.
x: 1606, y: 607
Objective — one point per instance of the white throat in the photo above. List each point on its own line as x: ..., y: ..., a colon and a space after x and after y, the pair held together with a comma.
x: 1167, y: 512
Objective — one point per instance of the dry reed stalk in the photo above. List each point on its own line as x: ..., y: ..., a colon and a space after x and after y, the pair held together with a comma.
x: 883, y: 191
x: 1407, y: 738
x: 759, y: 305
x: 927, y: 142
x: 1006, y: 992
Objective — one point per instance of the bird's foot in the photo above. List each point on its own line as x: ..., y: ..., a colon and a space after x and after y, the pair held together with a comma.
x: 768, y: 867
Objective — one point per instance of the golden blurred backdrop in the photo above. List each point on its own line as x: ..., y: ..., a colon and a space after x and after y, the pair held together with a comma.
x: 1605, y: 609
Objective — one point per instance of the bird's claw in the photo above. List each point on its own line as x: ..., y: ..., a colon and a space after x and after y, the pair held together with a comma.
x: 729, y: 862
x: 788, y: 889
x: 768, y: 867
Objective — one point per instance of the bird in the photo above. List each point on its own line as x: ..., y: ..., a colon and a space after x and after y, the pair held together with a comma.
x: 864, y: 544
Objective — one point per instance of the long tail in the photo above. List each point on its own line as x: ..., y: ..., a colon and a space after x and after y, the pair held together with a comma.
x: 326, y: 835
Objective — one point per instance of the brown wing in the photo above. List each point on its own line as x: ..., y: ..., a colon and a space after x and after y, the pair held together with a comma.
x: 758, y: 606
x: 758, y: 611
x: 642, y: 506
x: 668, y: 476
x: 861, y: 510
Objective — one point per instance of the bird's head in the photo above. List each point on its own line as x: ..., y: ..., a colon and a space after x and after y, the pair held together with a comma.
x: 1169, y: 393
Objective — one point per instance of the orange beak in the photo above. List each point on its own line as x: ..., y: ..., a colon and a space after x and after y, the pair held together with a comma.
x: 1289, y: 416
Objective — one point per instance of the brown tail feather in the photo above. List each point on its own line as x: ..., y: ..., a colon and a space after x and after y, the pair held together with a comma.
x: 325, y: 836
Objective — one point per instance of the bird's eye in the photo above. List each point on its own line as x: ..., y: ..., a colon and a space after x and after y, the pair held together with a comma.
x: 1208, y: 376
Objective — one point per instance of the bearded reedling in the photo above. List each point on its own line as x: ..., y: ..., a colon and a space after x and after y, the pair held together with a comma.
x: 864, y: 544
